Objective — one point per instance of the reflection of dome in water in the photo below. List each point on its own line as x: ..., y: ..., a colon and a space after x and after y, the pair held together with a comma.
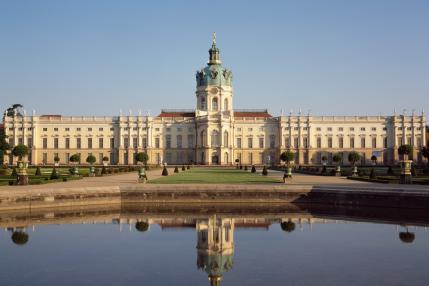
x: 406, y: 237
x: 19, y: 237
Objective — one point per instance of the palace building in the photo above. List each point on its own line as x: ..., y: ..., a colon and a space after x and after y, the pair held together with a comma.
x: 214, y: 132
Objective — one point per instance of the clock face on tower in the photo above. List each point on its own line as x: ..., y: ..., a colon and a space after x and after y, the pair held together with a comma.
x: 213, y: 90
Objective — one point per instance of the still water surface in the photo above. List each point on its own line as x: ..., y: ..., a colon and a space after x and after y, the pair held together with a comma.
x: 211, y: 249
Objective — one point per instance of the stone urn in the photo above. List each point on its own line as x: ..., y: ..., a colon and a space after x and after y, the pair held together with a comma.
x: 354, y: 171
x: 405, y: 177
x: 92, y: 171
x: 288, y: 173
x: 142, y: 175
x: 338, y: 171
x: 22, y: 178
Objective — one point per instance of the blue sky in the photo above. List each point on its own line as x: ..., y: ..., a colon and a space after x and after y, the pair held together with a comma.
x: 96, y: 57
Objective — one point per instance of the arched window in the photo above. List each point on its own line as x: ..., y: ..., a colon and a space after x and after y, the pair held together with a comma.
x: 225, y: 139
x: 203, y: 103
x: 225, y: 158
x: 225, y: 104
x: 215, y: 138
x: 215, y: 105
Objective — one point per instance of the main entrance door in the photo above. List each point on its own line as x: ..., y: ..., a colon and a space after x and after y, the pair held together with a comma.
x: 215, y: 159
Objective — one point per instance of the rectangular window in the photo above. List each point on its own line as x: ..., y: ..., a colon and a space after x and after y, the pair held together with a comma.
x: 318, y: 129
x: 100, y: 158
x: 374, y: 142
x: 45, y: 143
x: 319, y: 142
x: 168, y: 143
x: 112, y: 143
x: 67, y: 143
x: 329, y: 128
x: 362, y: 142
x: 329, y: 142
x: 78, y: 143
x: 296, y: 142
x: 126, y: 142
x: 362, y: 129
x: 157, y: 142
x: 45, y: 129
x: 30, y: 142
x: 67, y: 158
x: 89, y: 129
x: 287, y: 142
x: 261, y: 142
x: 340, y: 128
x: 272, y: 141
x: 352, y: 129
x: 239, y: 142
x: 190, y: 141
x: 20, y: 141
x: 135, y: 142
x: 352, y: 142
x: 250, y: 142
x: 45, y: 158
x: 179, y: 141
x: 385, y: 142
x: 56, y: 143
x: 305, y: 142
x: 144, y: 141
x: 100, y: 143
x: 100, y: 129
x: 89, y: 143
x: 67, y: 129
x: 419, y: 142
x: 56, y: 129
x: 78, y: 129
x: 341, y: 142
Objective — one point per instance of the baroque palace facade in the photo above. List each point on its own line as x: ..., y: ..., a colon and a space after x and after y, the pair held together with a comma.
x: 214, y: 132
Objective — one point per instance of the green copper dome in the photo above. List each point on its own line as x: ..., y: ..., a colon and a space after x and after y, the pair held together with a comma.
x: 214, y: 73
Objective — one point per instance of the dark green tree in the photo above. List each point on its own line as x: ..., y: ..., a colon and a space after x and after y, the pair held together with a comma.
x: 288, y: 226
x: 142, y: 226
x: 54, y: 174
x: 353, y: 157
x: 142, y: 157
x: 20, y: 151
x: 264, y: 171
x: 91, y: 159
x: 19, y: 237
x: 164, y: 171
x: 405, y: 150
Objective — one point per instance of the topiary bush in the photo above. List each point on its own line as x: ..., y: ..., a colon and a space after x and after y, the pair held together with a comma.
x: 253, y: 169
x: 241, y: 167
x: 164, y: 171
x: 264, y: 171
x: 183, y: 168
x: 54, y: 174
x: 142, y: 226
x: 245, y: 168
x: 38, y: 171
x: 176, y: 170
x: 19, y: 237
x: 288, y: 226
x: 188, y: 167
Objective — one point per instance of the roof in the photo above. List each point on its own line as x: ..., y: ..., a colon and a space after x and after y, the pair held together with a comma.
x: 50, y: 116
x: 252, y: 113
x: 177, y: 113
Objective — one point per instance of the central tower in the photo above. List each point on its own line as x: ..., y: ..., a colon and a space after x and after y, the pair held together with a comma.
x: 214, y: 85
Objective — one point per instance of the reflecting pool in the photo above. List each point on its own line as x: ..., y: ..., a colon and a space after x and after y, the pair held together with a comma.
x: 215, y: 245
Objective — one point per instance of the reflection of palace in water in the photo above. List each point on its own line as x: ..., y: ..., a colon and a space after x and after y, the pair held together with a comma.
x: 214, y: 226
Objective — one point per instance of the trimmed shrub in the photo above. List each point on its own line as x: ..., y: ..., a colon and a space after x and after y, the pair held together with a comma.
x: 264, y: 171
x: 253, y: 169
x: 288, y: 226
x: 19, y: 237
x: 164, y: 171
x: 372, y: 174
x: 176, y: 170
x: 11, y: 183
x: 38, y: 171
x: 183, y: 168
x: 91, y: 159
x: 188, y: 167
x: 241, y: 167
x: 142, y: 226
x: 64, y: 179
x: 54, y: 174
x: 245, y: 168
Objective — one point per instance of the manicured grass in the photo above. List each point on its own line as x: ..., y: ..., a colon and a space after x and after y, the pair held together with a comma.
x: 215, y: 176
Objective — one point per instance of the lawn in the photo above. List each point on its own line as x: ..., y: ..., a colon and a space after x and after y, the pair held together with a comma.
x: 215, y: 176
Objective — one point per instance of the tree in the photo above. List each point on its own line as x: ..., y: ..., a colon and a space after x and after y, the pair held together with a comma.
x: 91, y: 159
x: 337, y: 158
x: 142, y: 157
x: 405, y: 150
x: 56, y: 159
x: 287, y: 157
x: 105, y: 159
x: 20, y: 151
x: 288, y: 226
x: 4, y: 146
x: 15, y: 109
x: 75, y: 158
x: 176, y: 170
x: 406, y: 237
x: 353, y: 157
